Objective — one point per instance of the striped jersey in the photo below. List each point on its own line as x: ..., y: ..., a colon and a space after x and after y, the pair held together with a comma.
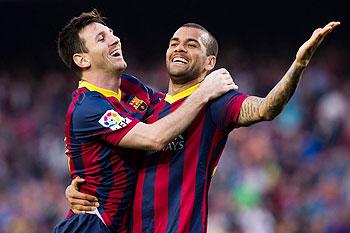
x: 96, y: 120
x: 172, y: 185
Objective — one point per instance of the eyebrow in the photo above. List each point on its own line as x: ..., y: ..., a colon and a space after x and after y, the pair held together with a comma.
x: 103, y: 33
x: 187, y: 40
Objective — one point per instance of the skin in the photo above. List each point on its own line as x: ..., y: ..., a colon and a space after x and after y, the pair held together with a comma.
x: 186, y: 59
x: 103, y: 65
x: 255, y: 109
x: 100, y: 68
x: 190, y: 67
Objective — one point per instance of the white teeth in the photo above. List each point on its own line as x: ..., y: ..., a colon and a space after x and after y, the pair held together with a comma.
x: 115, y: 53
x: 180, y: 59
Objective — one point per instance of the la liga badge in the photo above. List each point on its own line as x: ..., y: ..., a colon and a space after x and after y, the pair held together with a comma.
x: 111, y: 119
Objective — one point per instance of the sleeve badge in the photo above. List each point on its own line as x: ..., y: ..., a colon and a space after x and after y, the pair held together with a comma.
x: 111, y: 119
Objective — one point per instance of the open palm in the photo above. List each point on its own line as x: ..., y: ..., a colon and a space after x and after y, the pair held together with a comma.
x: 306, y: 51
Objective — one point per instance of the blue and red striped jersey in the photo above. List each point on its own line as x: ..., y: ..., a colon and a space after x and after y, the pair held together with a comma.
x: 172, y: 185
x: 96, y: 121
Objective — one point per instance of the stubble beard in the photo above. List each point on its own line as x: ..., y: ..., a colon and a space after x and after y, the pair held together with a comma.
x: 183, y: 76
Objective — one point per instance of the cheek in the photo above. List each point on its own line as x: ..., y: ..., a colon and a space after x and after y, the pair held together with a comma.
x: 200, y: 59
x: 168, y: 53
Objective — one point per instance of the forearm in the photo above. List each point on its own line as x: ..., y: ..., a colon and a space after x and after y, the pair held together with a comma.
x: 169, y: 127
x: 255, y: 109
x: 156, y: 135
x: 279, y: 96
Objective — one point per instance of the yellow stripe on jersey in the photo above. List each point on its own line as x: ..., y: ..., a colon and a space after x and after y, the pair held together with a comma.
x: 68, y: 161
x: 212, y: 174
x: 65, y: 139
x: 105, y: 92
x: 171, y: 99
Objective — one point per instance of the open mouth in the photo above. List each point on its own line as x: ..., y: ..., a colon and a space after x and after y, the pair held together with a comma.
x: 179, y: 60
x: 115, y: 53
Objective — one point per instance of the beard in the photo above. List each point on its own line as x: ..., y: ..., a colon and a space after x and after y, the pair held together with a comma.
x: 110, y: 66
x: 181, y: 76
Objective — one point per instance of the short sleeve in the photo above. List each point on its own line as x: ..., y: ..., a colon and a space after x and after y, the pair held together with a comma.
x: 225, y: 110
x: 94, y: 118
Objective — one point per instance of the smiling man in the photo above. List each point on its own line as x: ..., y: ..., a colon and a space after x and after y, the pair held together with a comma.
x: 173, y: 184
x: 103, y: 121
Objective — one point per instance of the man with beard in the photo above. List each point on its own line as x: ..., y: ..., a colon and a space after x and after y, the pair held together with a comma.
x: 103, y: 121
x: 172, y: 184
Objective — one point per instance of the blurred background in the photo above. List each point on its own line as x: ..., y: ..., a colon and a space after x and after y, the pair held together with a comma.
x: 291, y: 175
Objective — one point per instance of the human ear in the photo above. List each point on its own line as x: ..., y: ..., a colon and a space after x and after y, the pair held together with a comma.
x: 81, y: 60
x: 211, y: 61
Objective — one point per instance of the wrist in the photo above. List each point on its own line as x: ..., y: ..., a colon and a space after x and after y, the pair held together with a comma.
x: 301, y: 64
x: 200, y: 96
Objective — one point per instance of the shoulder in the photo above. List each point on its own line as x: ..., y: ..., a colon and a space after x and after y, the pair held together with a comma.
x: 225, y: 99
x: 131, y: 82
x: 90, y: 103
x: 132, y: 86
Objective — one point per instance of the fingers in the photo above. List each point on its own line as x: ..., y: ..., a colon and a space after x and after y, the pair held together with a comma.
x: 218, y: 72
x: 223, y: 71
x: 79, y: 209
x: 225, y: 77
x: 320, y: 33
x: 80, y: 202
x: 229, y: 80
x: 329, y: 27
x: 83, y: 196
x: 72, y: 193
x: 233, y: 86
x: 230, y: 83
x: 333, y: 24
x: 77, y: 181
x: 83, y: 204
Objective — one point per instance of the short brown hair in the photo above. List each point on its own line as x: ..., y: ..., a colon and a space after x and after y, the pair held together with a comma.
x: 212, y: 44
x: 69, y: 41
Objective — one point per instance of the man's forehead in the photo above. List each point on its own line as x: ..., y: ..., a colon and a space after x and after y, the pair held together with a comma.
x: 94, y: 28
x: 186, y: 33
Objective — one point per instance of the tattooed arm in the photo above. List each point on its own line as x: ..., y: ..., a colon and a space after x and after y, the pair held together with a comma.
x: 255, y: 109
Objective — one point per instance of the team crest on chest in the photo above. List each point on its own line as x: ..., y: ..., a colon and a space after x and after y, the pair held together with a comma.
x: 138, y: 104
x: 111, y: 119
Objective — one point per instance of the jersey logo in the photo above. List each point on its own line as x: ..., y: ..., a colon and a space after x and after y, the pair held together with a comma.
x: 138, y: 104
x: 111, y: 119
x: 177, y: 144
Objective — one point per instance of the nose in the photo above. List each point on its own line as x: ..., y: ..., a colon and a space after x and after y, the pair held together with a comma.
x: 115, y: 40
x: 180, y: 47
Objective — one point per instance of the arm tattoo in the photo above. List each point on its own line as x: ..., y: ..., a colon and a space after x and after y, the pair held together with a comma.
x: 255, y: 109
x: 249, y: 112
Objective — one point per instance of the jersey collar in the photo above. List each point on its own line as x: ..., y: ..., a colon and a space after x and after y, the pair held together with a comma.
x: 173, y: 98
x: 105, y: 92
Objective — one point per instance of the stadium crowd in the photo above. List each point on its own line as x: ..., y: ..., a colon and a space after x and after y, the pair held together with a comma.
x: 291, y: 175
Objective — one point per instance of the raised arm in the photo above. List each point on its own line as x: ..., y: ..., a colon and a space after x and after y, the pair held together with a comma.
x: 255, y: 109
x: 156, y: 135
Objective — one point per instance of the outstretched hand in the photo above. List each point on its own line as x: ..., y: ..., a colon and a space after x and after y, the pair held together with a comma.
x: 306, y: 51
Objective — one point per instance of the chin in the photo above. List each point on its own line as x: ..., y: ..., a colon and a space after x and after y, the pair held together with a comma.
x: 177, y: 72
x: 121, y: 66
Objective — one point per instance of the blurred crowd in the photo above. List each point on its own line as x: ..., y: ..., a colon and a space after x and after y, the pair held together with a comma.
x: 290, y: 175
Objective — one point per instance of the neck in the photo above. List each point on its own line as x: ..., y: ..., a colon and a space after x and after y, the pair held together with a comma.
x: 175, y: 88
x: 103, y: 80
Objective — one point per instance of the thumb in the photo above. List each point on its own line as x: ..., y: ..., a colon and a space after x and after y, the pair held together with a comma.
x: 77, y: 181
